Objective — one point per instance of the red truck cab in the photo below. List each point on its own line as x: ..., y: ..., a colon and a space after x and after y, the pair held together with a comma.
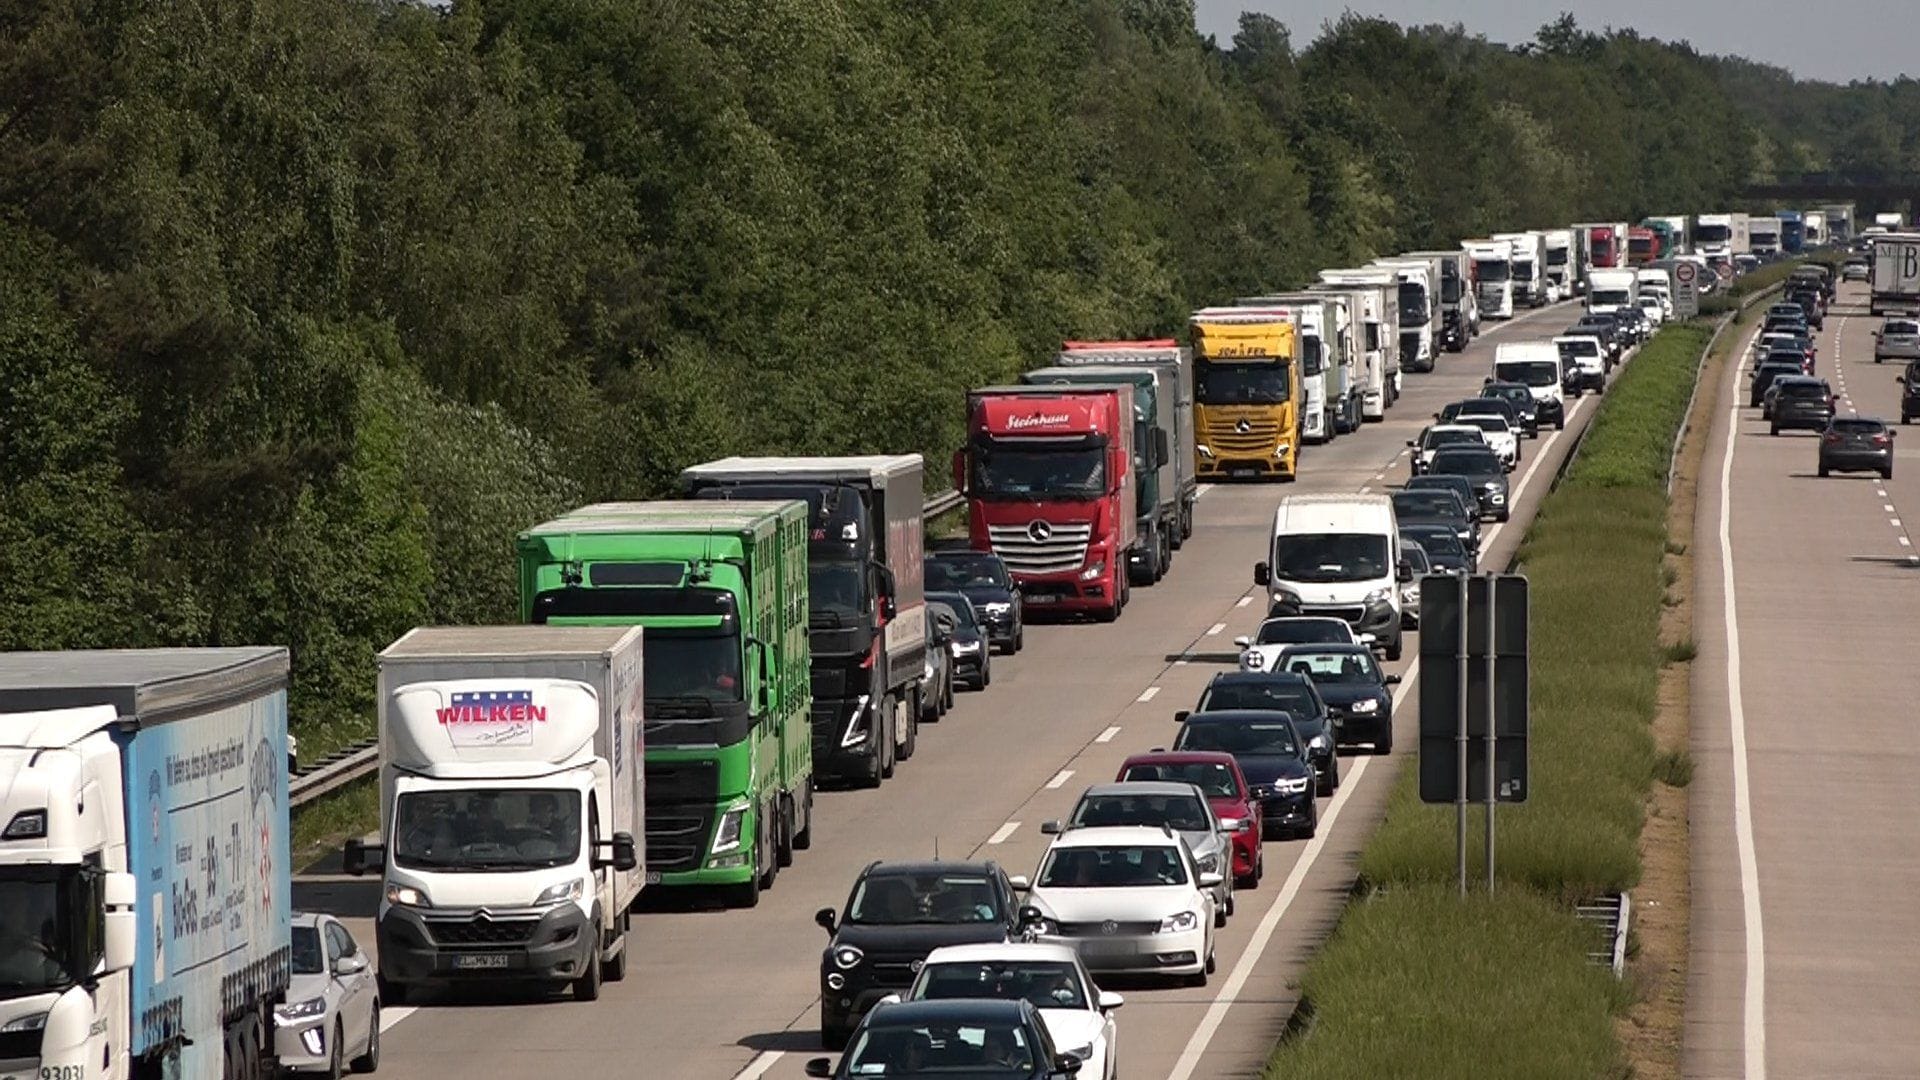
x: 1048, y: 477
x: 1643, y: 246
x: 1601, y: 248
x: 1218, y: 775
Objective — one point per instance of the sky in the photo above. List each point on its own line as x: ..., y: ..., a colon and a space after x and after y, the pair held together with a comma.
x: 1836, y: 41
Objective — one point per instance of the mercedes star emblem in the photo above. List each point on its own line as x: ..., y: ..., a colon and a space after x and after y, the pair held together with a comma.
x: 1040, y: 531
x: 1243, y: 427
x: 1109, y: 928
x: 917, y: 965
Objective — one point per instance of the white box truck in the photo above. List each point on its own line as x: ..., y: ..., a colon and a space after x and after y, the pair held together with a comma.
x: 144, y: 866
x: 1610, y: 290
x: 1417, y: 297
x: 1896, y: 273
x: 1560, y: 262
x: 1492, y: 262
x: 1376, y: 324
x: 1529, y: 255
x: 1329, y: 345
x: 512, y: 788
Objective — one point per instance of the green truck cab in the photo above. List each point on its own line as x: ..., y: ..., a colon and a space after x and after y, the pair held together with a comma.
x: 721, y: 589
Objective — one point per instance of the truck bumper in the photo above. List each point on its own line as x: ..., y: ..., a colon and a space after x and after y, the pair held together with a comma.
x: 1066, y: 593
x: 1274, y: 464
x: 416, y: 947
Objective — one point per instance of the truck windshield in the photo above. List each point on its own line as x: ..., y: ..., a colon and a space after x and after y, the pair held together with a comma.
x: 1714, y: 234
x: 1556, y: 256
x: 1531, y: 372
x: 1494, y: 270
x: 1036, y: 470
x: 36, y: 947
x: 1609, y: 298
x: 1329, y: 557
x: 1413, y: 302
x: 1269, y: 383
x: 1523, y: 269
x: 682, y: 665
x: 487, y: 829
x: 1450, y: 290
x: 836, y: 591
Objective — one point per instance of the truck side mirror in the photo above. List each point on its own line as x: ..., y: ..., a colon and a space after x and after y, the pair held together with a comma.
x: 1262, y: 574
x: 1162, y: 451
x: 960, y: 471
x: 1403, y: 573
x: 625, y: 855
x: 358, y: 856
x: 121, y: 925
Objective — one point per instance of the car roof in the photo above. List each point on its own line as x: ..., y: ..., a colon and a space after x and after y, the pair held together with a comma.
x: 1002, y: 950
x: 950, y: 1010
x: 1330, y: 648
x: 1462, y: 451
x: 1235, y: 678
x: 1104, y: 835
x: 1856, y: 418
x: 1469, y: 429
x: 1180, y: 757
x: 308, y: 918
x: 1222, y: 716
x: 930, y: 866
x: 1307, y: 618
x: 1141, y: 787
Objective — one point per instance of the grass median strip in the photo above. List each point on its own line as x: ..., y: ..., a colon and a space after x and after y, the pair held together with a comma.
x: 1416, y: 982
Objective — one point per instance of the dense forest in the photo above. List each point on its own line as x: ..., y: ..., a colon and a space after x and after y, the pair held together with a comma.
x: 306, y: 308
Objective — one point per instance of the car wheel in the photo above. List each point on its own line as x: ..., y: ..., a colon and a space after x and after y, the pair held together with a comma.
x: 1220, y: 913
x: 1019, y: 637
x: 1886, y: 473
x: 1823, y: 472
x: 1313, y: 822
x: 370, y: 1061
x: 1333, y: 775
x: 336, y: 1061
x: 1398, y: 643
x: 1773, y: 429
x: 1384, y: 744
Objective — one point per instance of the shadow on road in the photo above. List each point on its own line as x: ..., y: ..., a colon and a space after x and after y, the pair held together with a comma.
x: 795, y: 1041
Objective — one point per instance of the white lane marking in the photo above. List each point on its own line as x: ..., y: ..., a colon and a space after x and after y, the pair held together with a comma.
x: 1904, y: 542
x: 758, y: 1066
x: 1263, y: 934
x: 1107, y: 735
x: 1754, y: 1014
x: 1888, y: 507
x: 1216, y: 628
x: 1882, y: 493
x: 1182, y: 662
x: 1202, y: 490
x: 1245, y: 600
x: 1060, y: 778
x: 1000, y: 834
x: 393, y: 1015
x: 1364, y: 488
x: 1896, y: 524
x: 1148, y: 694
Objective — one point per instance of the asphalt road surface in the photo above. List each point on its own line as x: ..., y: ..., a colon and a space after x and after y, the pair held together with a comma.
x: 733, y: 993
x: 1804, y: 803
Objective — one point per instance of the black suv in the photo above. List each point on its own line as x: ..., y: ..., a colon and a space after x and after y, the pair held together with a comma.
x: 1857, y: 444
x: 1802, y: 403
x: 983, y: 578
x: 1487, y: 473
x: 1910, y: 393
x: 896, y: 914
x: 1290, y: 692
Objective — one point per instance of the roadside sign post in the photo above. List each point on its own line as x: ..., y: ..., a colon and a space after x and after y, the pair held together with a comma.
x: 1686, y: 290
x: 1463, y: 658
x: 1493, y: 724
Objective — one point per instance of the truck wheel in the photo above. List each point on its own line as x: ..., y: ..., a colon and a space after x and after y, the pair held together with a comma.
x: 1164, y: 559
x: 370, y: 1060
x: 783, y: 847
x: 912, y: 742
x: 803, y: 836
x: 587, y: 986
x: 888, y: 748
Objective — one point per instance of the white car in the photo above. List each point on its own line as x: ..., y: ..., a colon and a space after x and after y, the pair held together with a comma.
x: 1078, y: 1014
x: 1257, y: 652
x: 1130, y: 899
x: 1500, y: 436
x: 1656, y: 314
x: 1585, y: 358
x: 332, y: 1016
x: 1436, y: 436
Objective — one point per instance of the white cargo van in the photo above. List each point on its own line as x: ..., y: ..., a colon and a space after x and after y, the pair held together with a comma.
x: 1338, y: 556
x: 1537, y: 364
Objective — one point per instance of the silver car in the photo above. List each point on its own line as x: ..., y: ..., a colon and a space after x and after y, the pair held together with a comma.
x: 1179, y: 806
x: 332, y: 1015
x: 1897, y: 339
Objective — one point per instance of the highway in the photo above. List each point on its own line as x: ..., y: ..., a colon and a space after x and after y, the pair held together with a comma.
x: 1806, y: 861
x: 733, y: 993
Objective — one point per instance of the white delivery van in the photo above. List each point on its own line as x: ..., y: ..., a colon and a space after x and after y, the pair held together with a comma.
x: 1338, y: 556
x: 1537, y: 364
x: 1659, y: 283
x: 1611, y: 290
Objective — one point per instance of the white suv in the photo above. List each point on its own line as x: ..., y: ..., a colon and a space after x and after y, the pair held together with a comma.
x: 1130, y: 899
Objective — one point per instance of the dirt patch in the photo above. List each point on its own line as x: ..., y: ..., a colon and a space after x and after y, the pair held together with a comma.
x: 1651, y: 1029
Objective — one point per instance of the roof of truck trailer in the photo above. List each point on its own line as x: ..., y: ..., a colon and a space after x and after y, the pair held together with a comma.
x: 867, y: 466
x: 136, y: 682
x: 518, y: 640
x: 680, y: 514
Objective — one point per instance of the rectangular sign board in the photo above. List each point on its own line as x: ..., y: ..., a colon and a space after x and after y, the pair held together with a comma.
x: 1440, y: 614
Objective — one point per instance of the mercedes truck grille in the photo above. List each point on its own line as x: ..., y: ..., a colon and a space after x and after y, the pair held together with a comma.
x: 1041, y: 547
x: 1234, y: 436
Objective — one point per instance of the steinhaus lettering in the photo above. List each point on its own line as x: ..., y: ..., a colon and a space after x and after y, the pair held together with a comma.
x: 1015, y: 423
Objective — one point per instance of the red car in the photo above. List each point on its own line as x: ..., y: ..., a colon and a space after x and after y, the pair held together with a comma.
x: 1218, y: 775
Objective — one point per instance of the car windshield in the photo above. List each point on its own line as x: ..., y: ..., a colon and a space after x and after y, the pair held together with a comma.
x: 1241, y: 738
x: 1184, y: 813
x: 1530, y: 372
x: 1287, y: 695
x: 934, y: 898
x: 1113, y: 866
x: 1267, y: 383
x: 1048, y: 984
x: 1329, y: 557
x: 1212, y: 777
x: 1512, y: 395
x: 1301, y: 631
x: 958, y: 1049
x: 946, y: 572
x: 1467, y: 463
x: 1438, y: 541
x: 1803, y: 390
x: 307, y: 956
x: 1427, y: 504
x: 1496, y: 424
x: 1023, y: 471
x: 1416, y: 556
x: 1334, y: 667
x: 1438, y: 437
x: 487, y: 829
x: 963, y: 612
x: 1577, y: 349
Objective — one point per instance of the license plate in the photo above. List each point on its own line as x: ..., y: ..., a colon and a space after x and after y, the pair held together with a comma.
x: 1243, y: 472
x: 1105, y: 947
x: 1041, y: 599
x: 482, y: 962
x: 652, y: 877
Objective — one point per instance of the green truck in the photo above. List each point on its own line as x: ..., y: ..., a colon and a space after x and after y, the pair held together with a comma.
x: 721, y: 589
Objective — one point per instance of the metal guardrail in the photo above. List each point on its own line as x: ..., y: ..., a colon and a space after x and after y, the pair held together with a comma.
x: 351, y: 763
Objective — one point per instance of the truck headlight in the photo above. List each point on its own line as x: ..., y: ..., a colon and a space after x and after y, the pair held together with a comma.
x: 1092, y: 572
x: 29, y: 1022
x: 407, y: 896
x: 1281, y: 450
x: 296, y: 1011
x: 726, y: 836
x: 847, y: 957
x: 1185, y: 920
x: 853, y: 736
x: 1203, y: 449
x: 1378, y: 596
x: 1367, y: 705
x: 562, y: 892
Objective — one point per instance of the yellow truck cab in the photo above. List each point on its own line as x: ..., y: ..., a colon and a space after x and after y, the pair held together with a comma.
x: 1247, y: 392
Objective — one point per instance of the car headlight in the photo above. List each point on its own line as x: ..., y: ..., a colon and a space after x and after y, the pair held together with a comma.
x: 1094, y: 571
x: 1378, y: 596
x: 1208, y: 863
x: 726, y: 836
x: 1046, y: 927
x: 1084, y: 1053
x: 1174, y: 924
x: 966, y: 646
x: 1319, y: 742
x: 1365, y: 705
x: 296, y: 1011
x: 1282, y: 594
x: 847, y: 957
x: 1252, y: 660
x: 29, y: 1022
x: 997, y: 607
x: 1291, y: 787
x: 1497, y: 496
x: 562, y: 892
x: 407, y: 896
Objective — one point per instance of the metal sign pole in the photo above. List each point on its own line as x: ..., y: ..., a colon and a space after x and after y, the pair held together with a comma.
x: 1460, y: 741
x: 1492, y: 712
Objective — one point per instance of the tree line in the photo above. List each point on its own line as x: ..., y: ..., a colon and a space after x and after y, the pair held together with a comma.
x: 307, y: 308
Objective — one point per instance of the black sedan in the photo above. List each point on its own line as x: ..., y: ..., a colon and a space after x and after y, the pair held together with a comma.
x: 1355, y: 690
x: 972, y: 666
x: 1521, y: 398
x: 1486, y: 471
x: 1271, y: 755
x: 1291, y: 692
x: 1857, y: 444
x: 1445, y: 553
x: 980, y: 1038
x: 1801, y: 403
x: 1764, y: 376
x: 1412, y: 507
x: 1459, y: 485
x: 983, y: 577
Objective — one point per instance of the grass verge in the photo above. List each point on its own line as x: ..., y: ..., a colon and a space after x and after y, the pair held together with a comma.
x: 321, y: 826
x: 1414, y: 982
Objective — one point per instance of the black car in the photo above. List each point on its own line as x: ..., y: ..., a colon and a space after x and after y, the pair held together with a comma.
x: 1457, y: 412
x: 983, y: 577
x: 1795, y: 323
x: 896, y: 914
x: 1445, y: 553
x: 1417, y: 562
x: 938, y: 1038
x: 941, y: 620
x: 1486, y: 471
x: 1607, y: 328
x: 1789, y: 355
x: 1354, y: 688
x: 1766, y: 373
x: 972, y: 662
x: 1439, y: 508
x: 1811, y: 302
x: 1459, y: 485
x: 1633, y: 320
x: 1802, y: 403
x: 1521, y: 398
x: 1857, y: 444
x: 1910, y: 393
x: 1293, y: 694
x: 1271, y: 755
